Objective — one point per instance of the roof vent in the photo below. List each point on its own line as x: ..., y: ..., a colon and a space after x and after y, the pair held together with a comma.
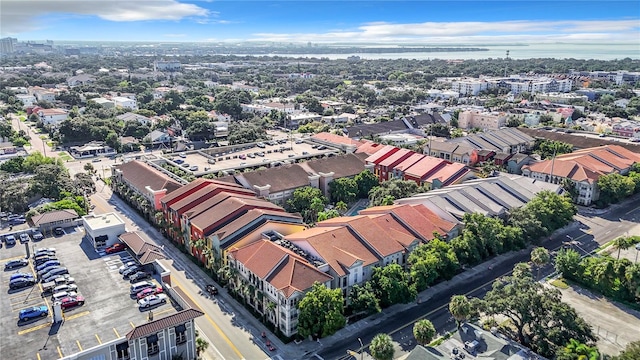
x: 107, y: 221
x: 104, y: 217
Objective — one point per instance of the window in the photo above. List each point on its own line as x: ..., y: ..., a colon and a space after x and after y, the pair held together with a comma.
x: 122, y: 351
x: 152, y: 345
x: 181, y: 334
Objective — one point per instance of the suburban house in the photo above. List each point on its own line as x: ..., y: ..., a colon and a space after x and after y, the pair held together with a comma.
x: 515, y: 163
x: 143, y: 185
x: 53, y: 116
x: 276, y: 278
x: 81, y: 79
x: 133, y: 117
x: 27, y: 100
x: 53, y: 219
x: 105, y: 103
x: 583, y: 168
x: 125, y: 102
x: 159, y: 137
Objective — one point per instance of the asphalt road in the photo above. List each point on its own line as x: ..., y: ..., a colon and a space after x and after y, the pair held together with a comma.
x: 594, y: 230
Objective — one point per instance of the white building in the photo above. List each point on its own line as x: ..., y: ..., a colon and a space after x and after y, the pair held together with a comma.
x: 105, y: 103
x: 483, y: 120
x: 469, y: 86
x: 166, y: 66
x: 27, y: 100
x: 125, y: 102
x: 103, y: 229
x: 53, y: 116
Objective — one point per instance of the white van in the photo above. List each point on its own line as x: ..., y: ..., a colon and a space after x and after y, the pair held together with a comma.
x: 137, y: 287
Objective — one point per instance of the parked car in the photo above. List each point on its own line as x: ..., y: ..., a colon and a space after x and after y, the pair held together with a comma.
x: 63, y: 294
x: 194, y: 168
x: 66, y: 287
x: 37, y: 236
x: 17, y: 221
x: 33, y: 312
x: 130, y: 271
x: 70, y: 302
x: 24, y: 238
x: 124, y: 267
x: 55, y: 271
x: 43, y: 259
x: 43, y: 272
x: 137, y: 287
x: 64, y: 279
x: 58, y: 231
x: 152, y: 300
x: 47, y: 264
x: 10, y: 240
x: 19, y: 275
x: 47, y: 250
x: 21, y: 283
x: 115, y: 248
x: 149, y: 291
x: 18, y: 263
x: 178, y: 161
x: 55, y: 277
x: 140, y: 275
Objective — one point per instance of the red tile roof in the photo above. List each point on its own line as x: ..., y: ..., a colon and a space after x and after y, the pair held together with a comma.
x: 416, y: 218
x: 282, y: 268
x: 396, y: 158
x: 155, y: 326
x: 336, y: 139
x: 382, y: 240
x: 229, y: 209
x: 145, y: 251
x: 381, y: 154
x: 141, y: 175
x: 54, y: 216
x: 213, y: 201
x: 448, y: 173
x: 423, y: 167
x: 335, y: 245
x: 193, y: 186
x: 406, y: 163
x: 250, y: 216
x: 369, y: 147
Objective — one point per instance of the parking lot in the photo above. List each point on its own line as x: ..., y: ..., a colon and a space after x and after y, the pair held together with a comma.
x: 109, y: 311
x: 267, y: 154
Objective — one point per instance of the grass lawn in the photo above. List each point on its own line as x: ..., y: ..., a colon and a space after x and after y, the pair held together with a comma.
x: 43, y: 137
x: 560, y: 284
x: 49, y: 143
x: 65, y: 157
x: 23, y: 118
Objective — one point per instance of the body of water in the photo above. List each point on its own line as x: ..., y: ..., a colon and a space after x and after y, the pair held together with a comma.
x: 558, y: 51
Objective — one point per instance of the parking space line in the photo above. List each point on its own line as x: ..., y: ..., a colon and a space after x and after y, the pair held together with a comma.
x: 116, y: 332
x: 14, y: 258
x: 31, y: 329
x: 75, y: 316
x: 162, y: 312
x: 79, y: 346
x: 59, y: 352
x: 133, y: 326
x: 38, y: 355
x: 98, y: 338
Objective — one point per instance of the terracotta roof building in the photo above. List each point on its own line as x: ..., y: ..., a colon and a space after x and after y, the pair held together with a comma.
x: 277, y: 276
x: 52, y: 219
x: 583, y: 168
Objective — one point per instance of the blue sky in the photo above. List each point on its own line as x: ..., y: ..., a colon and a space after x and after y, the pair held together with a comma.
x: 429, y: 22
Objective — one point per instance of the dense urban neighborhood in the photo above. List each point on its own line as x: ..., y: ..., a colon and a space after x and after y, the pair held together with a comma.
x: 174, y: 203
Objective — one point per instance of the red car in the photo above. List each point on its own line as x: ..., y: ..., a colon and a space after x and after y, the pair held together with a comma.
x: 149, y: 291
x: 117, y: 247
x: 70, y: 302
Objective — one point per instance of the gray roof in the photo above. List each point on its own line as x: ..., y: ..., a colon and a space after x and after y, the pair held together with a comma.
x: 491, y: 196
x: 133, y: 117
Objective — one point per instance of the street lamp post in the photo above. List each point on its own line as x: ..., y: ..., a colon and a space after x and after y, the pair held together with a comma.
x: 361, y: 348
x: 638, y: 251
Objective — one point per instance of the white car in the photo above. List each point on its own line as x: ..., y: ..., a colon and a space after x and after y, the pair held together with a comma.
x: 65, y: 287
x: 63, y: 294
x: 152, y: 300
x: 40, y: 250
x: 124, y: 267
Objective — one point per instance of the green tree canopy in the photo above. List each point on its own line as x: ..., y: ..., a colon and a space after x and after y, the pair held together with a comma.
x: 362, y: 299
x: 381, y: 347
x: 615, y: 187
x: 366, y: 181
x: 460, y: 308
x: 548, y: 148
x: 424, y: 331
x: 321, y: 312
x: 391, y: 285
x: 396, y: 189
x: 343, y: 189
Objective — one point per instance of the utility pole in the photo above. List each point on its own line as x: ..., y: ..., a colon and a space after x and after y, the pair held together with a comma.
x: 505, y: 64
x: 361, y: 345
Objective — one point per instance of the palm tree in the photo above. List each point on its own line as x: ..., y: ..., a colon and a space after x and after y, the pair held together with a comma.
x: 341, y: 207
x: 381, y: 347
x: 622, y: 243
x: 460, y: 308
x: 201, y: 346
x: 540, y: 257
x: 424, y: 331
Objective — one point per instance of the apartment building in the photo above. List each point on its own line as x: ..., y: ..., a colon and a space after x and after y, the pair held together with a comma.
x: 483, y: 120
x: 583, y: 168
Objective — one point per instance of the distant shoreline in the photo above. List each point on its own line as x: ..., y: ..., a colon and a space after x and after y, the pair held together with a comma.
x: 347, y: 50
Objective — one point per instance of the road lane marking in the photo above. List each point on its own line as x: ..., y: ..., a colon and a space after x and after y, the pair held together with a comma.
x: 222, y: 334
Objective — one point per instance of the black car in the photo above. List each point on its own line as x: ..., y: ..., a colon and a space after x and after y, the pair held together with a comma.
x: 140, y: 275
x: 10, y: 240
x: 15, y: 264
x: 58, y: 231
x: 37, y: 236
x: 130, y: 271
x: 21, y: 283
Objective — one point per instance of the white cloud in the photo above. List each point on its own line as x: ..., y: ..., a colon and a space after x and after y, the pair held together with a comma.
x: 474, y: 32
x: 22, y: 15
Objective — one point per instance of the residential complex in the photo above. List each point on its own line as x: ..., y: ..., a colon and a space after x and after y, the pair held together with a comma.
x: 583, y: 168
